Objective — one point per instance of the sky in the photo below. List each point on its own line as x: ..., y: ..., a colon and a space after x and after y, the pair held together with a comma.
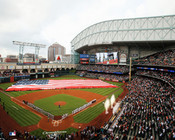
x: 49, y: 21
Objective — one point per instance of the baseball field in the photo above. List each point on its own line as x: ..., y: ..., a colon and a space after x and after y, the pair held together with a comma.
x: 56, y: 102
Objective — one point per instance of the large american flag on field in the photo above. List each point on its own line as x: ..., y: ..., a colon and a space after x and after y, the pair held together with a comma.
x: 58, y: 84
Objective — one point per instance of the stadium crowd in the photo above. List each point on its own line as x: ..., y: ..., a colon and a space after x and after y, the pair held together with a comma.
x: 1, y: 134
x: 103, y: 72
x: 149, y: 111
x: 167, y: 76
x: 104, y: 68
x: 108, y: 76
x: 112, y: 77
x: 9, y: 74
x: 161, y: 58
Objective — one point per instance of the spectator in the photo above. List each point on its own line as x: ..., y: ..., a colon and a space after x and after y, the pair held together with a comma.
x: 160, y: 58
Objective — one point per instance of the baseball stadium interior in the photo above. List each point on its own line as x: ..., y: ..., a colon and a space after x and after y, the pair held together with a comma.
x: 117, y: 84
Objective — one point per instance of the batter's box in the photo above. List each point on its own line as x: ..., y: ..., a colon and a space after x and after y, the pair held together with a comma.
x: 56, y: 122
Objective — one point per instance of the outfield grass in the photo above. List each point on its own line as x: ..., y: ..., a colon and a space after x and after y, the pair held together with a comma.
x: 22, y: 116
x: 19, y: 93
x: 72, y: 103
x: 117, y: 93
x: 67, y: 77
x: 115, y: 83
x: 101, y: 91
x: 5, y: 85
x: 92, y: 112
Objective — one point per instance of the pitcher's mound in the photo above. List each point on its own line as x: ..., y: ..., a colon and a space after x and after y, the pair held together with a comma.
x: 61, y: 103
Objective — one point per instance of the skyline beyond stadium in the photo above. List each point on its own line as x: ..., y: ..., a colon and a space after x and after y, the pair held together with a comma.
x: 24, y: 22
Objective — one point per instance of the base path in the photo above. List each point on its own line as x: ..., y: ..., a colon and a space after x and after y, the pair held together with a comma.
x: 32, y: 97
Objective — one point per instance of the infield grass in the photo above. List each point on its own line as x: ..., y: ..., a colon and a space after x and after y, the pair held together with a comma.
x: 48, y: 105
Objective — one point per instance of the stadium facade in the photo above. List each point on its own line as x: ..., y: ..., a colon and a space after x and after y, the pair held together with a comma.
x: 132, y: 37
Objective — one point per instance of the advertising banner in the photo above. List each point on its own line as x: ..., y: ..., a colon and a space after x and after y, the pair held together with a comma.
x: 123, y: 58
x: 39, y: 67
x: 11, y: 67
x: 18, y: 67
x: 25, y: 67
x: 2, y: 67
x: 32, y: 67
x: 84, y: 56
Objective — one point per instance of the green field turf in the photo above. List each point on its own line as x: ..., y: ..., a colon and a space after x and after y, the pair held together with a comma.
x: 19, y: 93
x: 72, y: 103
x: 5, y: 85
x: 22, y: 116
x: 89, y: 114
x: 101, y: 91
x: 116, y: 93
x: 115, y: 83
x: 92, y: 112
x: 67, y: 77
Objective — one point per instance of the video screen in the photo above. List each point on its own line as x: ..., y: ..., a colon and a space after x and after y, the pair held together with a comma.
x: 107, y: 58
x: 99, y: 58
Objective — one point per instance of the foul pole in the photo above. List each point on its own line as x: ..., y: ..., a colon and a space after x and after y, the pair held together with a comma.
x: 130, y: 69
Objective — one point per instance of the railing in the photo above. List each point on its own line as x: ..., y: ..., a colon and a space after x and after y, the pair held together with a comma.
x: 41, y: 111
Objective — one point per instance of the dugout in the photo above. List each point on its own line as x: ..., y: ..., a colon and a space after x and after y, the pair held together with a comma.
x: 4, y: 79
x: 17, y: 78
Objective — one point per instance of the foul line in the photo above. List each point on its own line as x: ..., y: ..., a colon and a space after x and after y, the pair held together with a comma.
x: 15, y: 107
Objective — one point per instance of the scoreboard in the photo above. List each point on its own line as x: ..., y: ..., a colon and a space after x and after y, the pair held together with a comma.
x: 86, y: 58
